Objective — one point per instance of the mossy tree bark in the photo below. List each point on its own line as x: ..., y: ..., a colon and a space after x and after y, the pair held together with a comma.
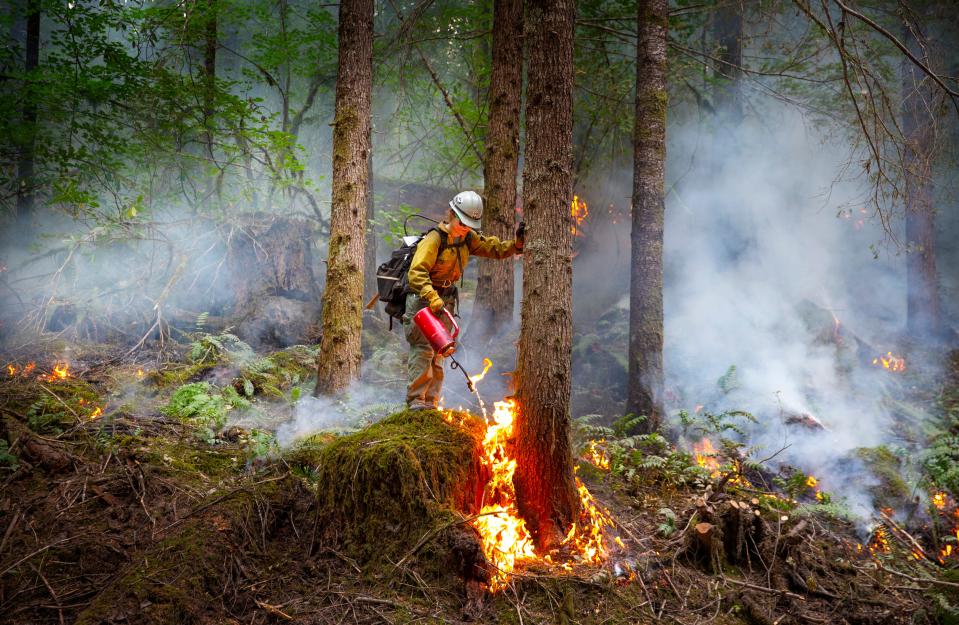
x: 918, y: 109
x: 26, y: 163
x: 645, y: 385
x: 545, y: 490
x: 494, y: 287
x: 339, y: 361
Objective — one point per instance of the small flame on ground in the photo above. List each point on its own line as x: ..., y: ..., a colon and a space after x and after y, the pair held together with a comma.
x: 879, y: 541
x: 61, y: 371
x: 140, y: 374
x: 579, y: 211
x: 890, y: 362
x: 939, y: 500
x: 595, y: 454
x: 98, y: 411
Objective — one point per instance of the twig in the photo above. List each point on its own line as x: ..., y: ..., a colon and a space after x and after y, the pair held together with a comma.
x: 59, y: 400
x: 272, y: 609
x: 783, y: 593
x: 37, y: 552
x: 927, y: 580
x: 53, y: 594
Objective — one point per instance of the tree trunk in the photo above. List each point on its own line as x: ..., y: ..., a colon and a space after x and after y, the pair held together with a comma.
x: 27, y: 158
x: 923, y: 312
x: 645, y: 386
x: 369, y: 261
x: 493, y: 308
x: 339, y: 361
x: 545, y: 490
x: 210, y: 43
x: 728, y: 35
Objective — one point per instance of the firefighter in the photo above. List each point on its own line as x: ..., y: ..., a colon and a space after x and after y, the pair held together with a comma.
x: 432, y: 282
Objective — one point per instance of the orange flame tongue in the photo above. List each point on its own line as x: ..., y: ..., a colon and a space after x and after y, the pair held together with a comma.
x: 890, y: 362
x: 579, y: 211
x: 506, y: 541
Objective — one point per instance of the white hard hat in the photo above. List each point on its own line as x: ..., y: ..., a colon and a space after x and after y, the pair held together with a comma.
x: 468, y: 206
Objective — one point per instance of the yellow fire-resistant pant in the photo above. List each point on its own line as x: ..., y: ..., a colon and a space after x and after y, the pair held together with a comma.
x: 424, y: 366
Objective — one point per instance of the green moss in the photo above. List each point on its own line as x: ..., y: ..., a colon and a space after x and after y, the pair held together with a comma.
x: 61, y: 404
x: 892, y: 491
x: 383, y: 487
x: 180, y: 374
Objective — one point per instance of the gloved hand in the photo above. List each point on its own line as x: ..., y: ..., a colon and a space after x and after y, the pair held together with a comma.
x: 436, y: 303
x: 520, y: 237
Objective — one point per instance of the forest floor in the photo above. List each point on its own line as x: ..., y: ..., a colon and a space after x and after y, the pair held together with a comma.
x: 142, y: 493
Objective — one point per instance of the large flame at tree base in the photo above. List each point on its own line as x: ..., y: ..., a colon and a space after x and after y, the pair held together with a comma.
x: 507, y: 543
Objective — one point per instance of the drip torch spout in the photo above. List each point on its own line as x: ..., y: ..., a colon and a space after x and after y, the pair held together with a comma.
x: 469, y: 384
x: 469, y: 381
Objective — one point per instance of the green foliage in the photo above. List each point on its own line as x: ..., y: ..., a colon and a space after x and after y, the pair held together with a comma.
x: 210, y: 348
x: 729, y: 381
x: 7, y: 459
x: 261, y: 444
x: 61, y: 405
x: 668, y: 526
x: 204, y: 406
x: 627, y: 424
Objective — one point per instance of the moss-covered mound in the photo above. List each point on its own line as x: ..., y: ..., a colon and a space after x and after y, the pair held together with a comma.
x: 382, y: 488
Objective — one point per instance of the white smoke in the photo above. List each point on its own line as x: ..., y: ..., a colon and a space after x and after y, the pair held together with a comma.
x: 753, y: 254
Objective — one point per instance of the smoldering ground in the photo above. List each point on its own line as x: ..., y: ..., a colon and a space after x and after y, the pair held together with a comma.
x: 781, y: 288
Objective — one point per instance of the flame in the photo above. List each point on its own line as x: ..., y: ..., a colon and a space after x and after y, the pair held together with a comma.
x: 487, y: 363
x: 96, y: 413
x: 890, y: 362
x: 595, y: 454
x: 12, y: 369
x: 140, y: 374
x: 939, y: 501
x: 811, y: 482
x: 879, y: 542
x: 61, y: 371
x: 579, y: 211
x: 706, y: 456
x: 30, y: 367
x: 503, y: 533
x: 506, y: 541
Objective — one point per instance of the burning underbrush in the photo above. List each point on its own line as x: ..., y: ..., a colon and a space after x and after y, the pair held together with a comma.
x: 151, y: 512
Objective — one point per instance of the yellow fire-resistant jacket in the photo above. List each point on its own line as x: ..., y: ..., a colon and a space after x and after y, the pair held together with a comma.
x: 430, y: 271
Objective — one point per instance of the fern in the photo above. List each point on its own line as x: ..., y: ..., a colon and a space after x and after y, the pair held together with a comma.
x: 201, y: 320
x: 729, y: 381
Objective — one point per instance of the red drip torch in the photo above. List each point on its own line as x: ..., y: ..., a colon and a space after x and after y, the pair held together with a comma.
x: 442, y: 342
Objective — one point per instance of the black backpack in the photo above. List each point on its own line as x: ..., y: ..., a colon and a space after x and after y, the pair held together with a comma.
x: 392, y: 280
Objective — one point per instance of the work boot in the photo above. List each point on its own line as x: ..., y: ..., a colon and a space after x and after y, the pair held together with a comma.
x: 419, y: 405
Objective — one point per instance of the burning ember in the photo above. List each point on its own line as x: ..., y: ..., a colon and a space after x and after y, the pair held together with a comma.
x: 939, y: 501
x: 579, y: 211
x: 506, y: 541
x: 595, y: 454
x: 879, y: 543
x: 140, y: 374
x: 813, y: 483
x: 890, y: 362
x: 61, y: 371
x: 13, y: 369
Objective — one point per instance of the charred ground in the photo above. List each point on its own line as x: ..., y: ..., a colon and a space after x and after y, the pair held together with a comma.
x: 159, y: 510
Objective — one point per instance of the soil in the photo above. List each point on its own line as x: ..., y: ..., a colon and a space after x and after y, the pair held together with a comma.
x: 132, y: 517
